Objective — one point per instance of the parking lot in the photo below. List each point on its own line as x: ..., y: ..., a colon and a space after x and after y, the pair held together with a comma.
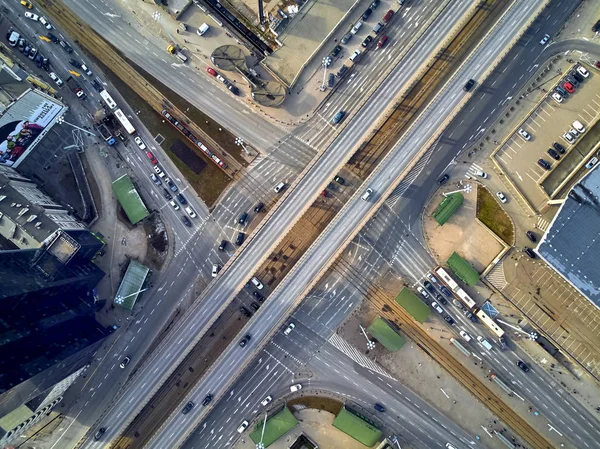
x: 545, y: 127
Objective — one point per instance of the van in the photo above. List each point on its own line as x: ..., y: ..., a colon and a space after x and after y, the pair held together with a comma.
x: 377, y: 28
x: 14, y: 38
x: 356, y: 27
x: 202, y: 29
x: 466, y: 336
x: 579, y: 126
x: 367, y: 194
x: 486, y: 344
x: 354, y: 56
x: 181, y: 56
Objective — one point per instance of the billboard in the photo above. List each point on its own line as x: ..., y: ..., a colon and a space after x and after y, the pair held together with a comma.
x: 23, y: 123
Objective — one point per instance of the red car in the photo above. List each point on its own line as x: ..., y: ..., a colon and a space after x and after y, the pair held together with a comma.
x: 388, y: 16
x: 569, y: 87
x: 382, y: 41
x: 153, y: 160
x: 212, y: 71
x: 597, y: 64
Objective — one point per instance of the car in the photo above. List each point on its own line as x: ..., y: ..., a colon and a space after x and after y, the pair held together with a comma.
x: 553, y: 154
x: 157, y: 170
x: 557, y: 97
x: 501, y: 196
x: 31, y: 16
x: 39, y: 60
x: 150, y: 156
x: 52, y: 37
x: 574, y: 132
x: 339, y: 180
x: 529, y: 252
x: 336, y: 51
x: 597, y: 64
x: 571, y: 79
x: 243, y: 426
x: 240, y: 238
x: 337, y: 118
x: 429, y: 286
x: 258, y: 296
x: 468, y: 314
x: 354, y: 56
x: 75, y: 63
x: 466, y: 336
x: 568, y: 137
x: 582, y: 71
x: 21, y: 43
x: 102, y: 430
x: 207, y: 399
x: 341, y: 71
x: 458, y: 304
x: 367, y: 40
x: 279, y: 187
x: 356, y: 27
x: 125, y: 362
x: 66, y: 47
x: 524, y: 134
x: 244, y: 341
x: 186, y: 221
x: 155, y: 179
x: 375, y: 4
x: 346, y: 38
x: 591, y: 163
x: 295, y: 388
x: 448, y: 319
x: 531, y: 236
x: 254, y: 305
x: 56, y: 79
x: 190, y: 212
x: 437, y: 307
x: 432, y: 278
x: 222, y: 245
x: 561, y: 91
x: 266, y: 401
x: 87, y: 71
x: 28, y: 5
x: 27, y: 50
x: 140, y: 143
x: 365, y: 196
x: 171, y: 185
x: 382, y: 41
x: 243, y: 218
x: 503, y: 345
x: 469, y: 85
x: 367, y: 14
x: 182, y: 199
x: 289, y: 329
x: 523, y: 366
x: 575, y: 74
x: 481, y: 174
x: 331, y: 80
x: 388, y: 15
x: 215, y: 269
x: 439, y: 298
x: 259, y: 207
x: 544, y: 164
x: 259, y: 285
x: 380, y: 408
x: 377, y: 28
x: 545, y: 39
x: 166, y: 194
x: 211, y: 71
x: 245, y: 312
x: 443, y: 179
x: 445, y: 291
x: 423, y: 292
x: 569, y: 87
x: 32, y: 53
x: 188, y: 407
x: 578, y: 126
x: 473, y: 318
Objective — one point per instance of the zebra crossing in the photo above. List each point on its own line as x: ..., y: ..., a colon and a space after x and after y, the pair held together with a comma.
x: 342, y: 345
x: 408, y: 180
x: 542, y: 224
x: 496, y: 277
x: 473, y: 171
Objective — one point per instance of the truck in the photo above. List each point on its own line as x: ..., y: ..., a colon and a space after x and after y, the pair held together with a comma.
x: 106, y: 134
x: 486, y: 344
x: 175, y: 50
x: 77, y: 90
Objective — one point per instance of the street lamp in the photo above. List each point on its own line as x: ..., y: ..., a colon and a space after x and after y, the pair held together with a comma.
x: 370, y: 343
x: 121, y: 299
x: 260, y: 444
x: 240, y: 143
x: 467, y: 189
x: 61, y: 120
x: 326, y: 63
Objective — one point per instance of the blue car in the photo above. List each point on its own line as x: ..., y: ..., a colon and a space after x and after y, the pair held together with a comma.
x: 337, y: 118
x: 445, y: 291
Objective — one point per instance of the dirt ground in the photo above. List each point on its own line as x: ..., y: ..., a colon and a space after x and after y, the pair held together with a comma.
x: 462, y: 233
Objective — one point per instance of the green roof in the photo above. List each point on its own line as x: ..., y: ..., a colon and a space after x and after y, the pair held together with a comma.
x: 277, y: 426
x: 463, y: 269
x: 413, y: 305
x: 447, y: 208
x: 386, y: 335
x: 357, y: 428
x: 131, y: 285
x: 129, y: 199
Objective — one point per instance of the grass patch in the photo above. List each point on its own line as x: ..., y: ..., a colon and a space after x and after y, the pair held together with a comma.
x: 318, y: 403
x: 493, y: 216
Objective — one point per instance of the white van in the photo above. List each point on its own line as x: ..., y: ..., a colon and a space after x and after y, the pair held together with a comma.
x: 486, y: 344
x: 202, y: 29
x: 14, y: 38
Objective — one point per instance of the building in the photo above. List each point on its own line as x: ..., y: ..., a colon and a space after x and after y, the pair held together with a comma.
x: 571, y: 245
x: 48, y: 331
x: 27, y: 215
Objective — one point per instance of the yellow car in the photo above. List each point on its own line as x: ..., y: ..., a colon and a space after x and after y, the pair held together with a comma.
x: 27, y: 5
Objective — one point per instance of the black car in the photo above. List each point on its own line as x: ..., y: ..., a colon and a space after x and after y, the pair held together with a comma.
x: 207, y: 399
x: 572, y: 80
x: 529, y: 252
x: 544, y: 164
x: 223, y: 245
x: 469, y: 85
x: 445, y: 291
x: 553, y: 154
x: 503, y: 345
x: 531, y: 236
x: 243, y: 218
x: 575, y: 74
x: 244, y: 341
x: 240, y: 238
x: 558, y: 147
x: 97, y: 86
x: 341, y: 71
x: 255, y: 305
x: 259, y: 207
x: 234, y: 90
x: 245, y: 312
x: 522, y: 365
x: 441, y: 299
x: 375, y: 4
x: 186, y: 221
x: 166, y: 194
x: 367, y: 14
x: 46, y: 64
x: 336, y: 51
x: 367, y: 41
x: 75, y: 63
x: 99, y: 433
x: 52, y: 37
x: 66, y: 47
x: 473, y: 318
x: 429, y: 286
x: 190, y: 405
x: 258, y: 296
x: 448, y: 319
x: 443, y: 179
x: 181, y: 198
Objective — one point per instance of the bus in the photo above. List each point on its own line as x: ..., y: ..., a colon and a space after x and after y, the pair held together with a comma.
x: 108, y: 100
x: 489, y: 323
x: 124, y: 122
x: 452, y: 285
x: 465, y: 299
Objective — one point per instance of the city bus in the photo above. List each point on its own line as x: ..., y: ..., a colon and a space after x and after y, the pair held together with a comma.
x: 108, y: 100
x: 125, y: 123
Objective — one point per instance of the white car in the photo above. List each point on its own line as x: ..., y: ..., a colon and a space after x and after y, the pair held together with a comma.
x: 45, y: 22
x: 87, y: 71
x: 243, y: 426
x: 524, y: 134
x: 157, y: 170
x: 32, y: 16
x: 583, y: 71
x: 568, y: 137
x: 545, y: 39
x: 579, y: 126
x: 432, y: 278
x: 591, y: 163
x: 125, y: 362
x: 259, y: 285
x: 266, y: 401
x: 423, y: 292
x: 174, y: 204
x: 574, y: 132
x: 56, y: 79
x: 140, y: 143
x: 295, y: 388
x: 190, y: 212
x: 481, y: 174
x: 365, y: 196
x: 289, y: 329
x: 557, y: 97
x: 501, y: 196
x: 155, y: 179
x: 437, y: 307
x: 279, y: 187
x: 215, y: 269
x: 464, y: 335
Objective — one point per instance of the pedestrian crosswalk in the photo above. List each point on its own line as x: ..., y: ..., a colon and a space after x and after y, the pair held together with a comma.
x: 473, y: 170
x: 408, y: 179
x: 496, y: 277
x: 542, y: 224
x: 342, y: 345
